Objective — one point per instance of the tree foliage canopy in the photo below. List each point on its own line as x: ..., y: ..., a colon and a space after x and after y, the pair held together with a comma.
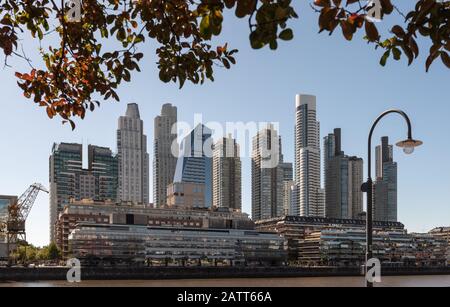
x: 78, y: 70
x: 26, y: 253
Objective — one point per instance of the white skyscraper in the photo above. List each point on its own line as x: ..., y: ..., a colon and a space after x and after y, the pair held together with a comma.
x: 165, y: 153
x: 307, y: 158
x: 133, y: 157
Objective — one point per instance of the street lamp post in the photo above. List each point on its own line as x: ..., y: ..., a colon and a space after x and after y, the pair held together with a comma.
x: 408, y: 146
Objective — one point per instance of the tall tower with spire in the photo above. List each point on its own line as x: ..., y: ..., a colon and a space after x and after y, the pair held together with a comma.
x: 133, y: 157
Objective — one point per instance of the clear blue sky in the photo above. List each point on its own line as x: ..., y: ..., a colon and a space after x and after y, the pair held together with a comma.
x: 350, y: 85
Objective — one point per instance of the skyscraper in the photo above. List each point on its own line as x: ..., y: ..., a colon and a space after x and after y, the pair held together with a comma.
x: 385, y: 186
x: 267, y: 175
x: 164, y: 160
x: 104, y: 167
x: 307, y: 158
x: 356, y: 172
x: 288, y: 187
x: 194, y: 165
x: 133, y: 157
x: 227, y: 181
x: 288, y: 171
x: 383, y: 153
x: 343, y: 180
x: 68, y: 179
x: 65, y: 160
x: 289, y: 202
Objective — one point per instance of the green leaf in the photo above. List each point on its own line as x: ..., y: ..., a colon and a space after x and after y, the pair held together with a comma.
x: 397, y: 53
x: 205, y: 27
x: 286, y: 35
x: 384, y: 58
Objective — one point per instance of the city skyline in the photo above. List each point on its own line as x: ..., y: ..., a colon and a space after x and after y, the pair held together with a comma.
x: 350, y: 85
x: 281, y: 162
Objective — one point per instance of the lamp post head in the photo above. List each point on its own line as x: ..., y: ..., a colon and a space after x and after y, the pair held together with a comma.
x: 409, y: 145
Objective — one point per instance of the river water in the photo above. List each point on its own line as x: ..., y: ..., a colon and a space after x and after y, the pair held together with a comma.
x: 388, y: 281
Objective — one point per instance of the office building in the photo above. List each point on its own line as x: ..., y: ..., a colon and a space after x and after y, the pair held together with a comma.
x: 105, y: 212
x: 194, y: 164
x: 443, y: 233
x: 133, y: 157
x: 394, y: 248
x: 267, y: 175
x: 356, y: 172
x: 186, y: 195
x: 289, y: 203
x: 307, y: 157
x: 343, y: 180
x: 137, y: 245
x: 227, y: 177
x: 103, y: 166
x: 288, y: 171
x: 296, y: 228
x: 385, y: 186
x: 70, y: 181
x: 383, y: 153
x: 65, y: 162
x: 165, y: 153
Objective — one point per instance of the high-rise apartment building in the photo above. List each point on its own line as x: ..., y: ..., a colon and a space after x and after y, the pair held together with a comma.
x: 288, y: 187
x: 307, y: 158
x: 267, y: 175
x: 165, y: 153
x: 69, y: 181
x: 288, y: 171
x: 289, y: 203
x: 103, y: 165
x: 343, y: 180
x: 356, y: 173
x: 227, y: 180
x: 65, y: 161
x: 194, y: 164
x: 133, y: 157
x: 385, y: 186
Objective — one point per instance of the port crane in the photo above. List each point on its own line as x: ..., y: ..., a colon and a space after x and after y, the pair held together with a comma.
x: 17, y: 215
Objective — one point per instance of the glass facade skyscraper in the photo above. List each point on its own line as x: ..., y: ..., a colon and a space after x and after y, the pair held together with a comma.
x: 104, y: 167
x: 343, y: 180
x: 68, y: 179
x: 65, y: 161
x: 194, y: 164
x: 385, y: 187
